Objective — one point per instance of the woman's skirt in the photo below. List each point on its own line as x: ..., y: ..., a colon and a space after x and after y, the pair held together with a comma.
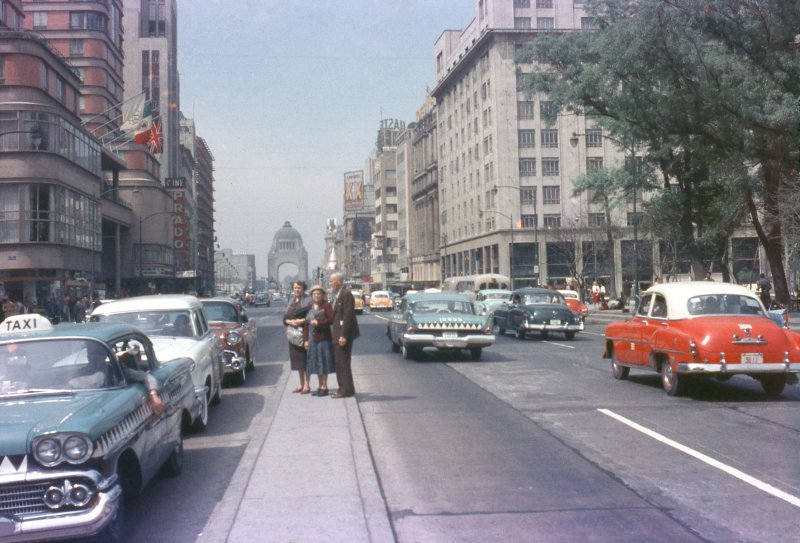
x: 297, y: 357
x: 320, y: 357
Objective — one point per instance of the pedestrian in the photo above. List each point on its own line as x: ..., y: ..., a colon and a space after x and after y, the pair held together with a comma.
x: 295, y: 317
x: 79, y: 311
x: 53, y: 310
x: 708, y: 276
x: 595, y: 292
x: 764, y: 288
x: 344, y: 331
x: 317, y: 335
x: 602, y: 292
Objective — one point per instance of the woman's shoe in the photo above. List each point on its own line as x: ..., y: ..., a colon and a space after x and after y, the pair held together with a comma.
x: 305, y: 391
x: 316, y: 393
x: 322, y: 392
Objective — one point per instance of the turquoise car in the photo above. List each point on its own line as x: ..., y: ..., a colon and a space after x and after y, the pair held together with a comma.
x: 80, y: 432
x: 442, y: 320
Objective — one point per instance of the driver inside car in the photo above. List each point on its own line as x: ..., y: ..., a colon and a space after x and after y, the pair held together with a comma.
x: 130, y: 361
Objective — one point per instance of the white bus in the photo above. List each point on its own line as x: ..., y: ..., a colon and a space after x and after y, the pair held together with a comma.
x: 471, y: 284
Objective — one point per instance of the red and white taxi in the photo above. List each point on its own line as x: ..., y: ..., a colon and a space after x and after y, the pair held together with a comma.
x: 703, y: 329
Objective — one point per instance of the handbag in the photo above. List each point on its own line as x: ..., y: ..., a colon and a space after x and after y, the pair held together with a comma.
x: 295, y: 336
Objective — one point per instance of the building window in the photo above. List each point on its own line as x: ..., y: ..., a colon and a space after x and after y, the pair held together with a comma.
x: 594, y: 138
x: 76, y: 48
x: 522, y: 23
x: 60, y: 89
x: 522, y: 3
x: 596, y: 219
x: 551, y: 194
x: 156, y: 18
x: 545, y: 4
x: 528, y: 221
x: 550, y: 167
x: 547, y: 110
x: 594, y: 163
x: 525, y: 110
x: 527, y: 167
x: 634, y: 218
x: 552, y: 221
x: 549, y: 138
x: 527, y: 195
x: 545, y: 23
x: 39, y: 20
x: 526, y: 138
x: 86, y: 21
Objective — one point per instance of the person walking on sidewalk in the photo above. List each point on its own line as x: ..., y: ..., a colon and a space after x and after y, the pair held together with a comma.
x: 317, y: 334
x: 296, y: 316
x: 344, y: 331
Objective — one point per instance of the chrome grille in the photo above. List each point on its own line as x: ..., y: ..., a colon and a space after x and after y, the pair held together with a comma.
x: 449, y: 326
x: 23, y: 498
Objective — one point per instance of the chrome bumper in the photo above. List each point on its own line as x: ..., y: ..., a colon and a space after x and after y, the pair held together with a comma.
x: 769, y: 367
x: 463, y: 342
x: 200, y: 401
x: 234, y: 363
x: 551, y: 327
x: 65, y: 524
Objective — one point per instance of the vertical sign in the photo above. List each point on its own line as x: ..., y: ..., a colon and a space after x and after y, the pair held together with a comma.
x: 180, y: 222
x: 354, y: 191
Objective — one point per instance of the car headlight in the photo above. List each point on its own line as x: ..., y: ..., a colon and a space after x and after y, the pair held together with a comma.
x: 233, y: 338
x: 51, y: 450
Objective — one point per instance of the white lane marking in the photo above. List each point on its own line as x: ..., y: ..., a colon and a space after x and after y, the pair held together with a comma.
x: 559, y: 344
x: 761, y: 485
x: 593, y: 333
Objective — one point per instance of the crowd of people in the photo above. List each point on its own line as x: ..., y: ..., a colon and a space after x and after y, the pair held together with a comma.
x: 329, y: 328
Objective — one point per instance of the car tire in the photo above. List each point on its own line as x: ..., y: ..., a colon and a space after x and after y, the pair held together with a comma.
x: 619, y: 371
x: 674, y: 384
x: 569, y: 335
x: 520, y: 334
x: 114, y: 531
x: 217, y: 398
x: 407, y: 352
x: 251, y: 363
x: 201, y: 422
x: 501, y: 331
x: 395, y: 347
x: 240, y: 377
x: 773, y: 385
x: 475, y: 353
x: 174, y: 464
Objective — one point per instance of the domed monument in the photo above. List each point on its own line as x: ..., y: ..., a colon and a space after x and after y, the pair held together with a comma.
x: 287, y: 248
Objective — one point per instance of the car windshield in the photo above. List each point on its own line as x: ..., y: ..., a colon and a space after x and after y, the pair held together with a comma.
x: 495, y: 296
x: 542, y: 298
x: 56, y: 365
x: 156, y: 323
x: 220, y: 311
x: 442, y: 306
x: 724, y: 304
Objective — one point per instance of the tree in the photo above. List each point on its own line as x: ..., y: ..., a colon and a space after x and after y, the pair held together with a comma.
x: 701, y: 85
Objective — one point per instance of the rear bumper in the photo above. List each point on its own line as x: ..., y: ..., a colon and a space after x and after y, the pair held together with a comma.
x: 463, y: 342
x: 551, y: 327
x: 748, y: 369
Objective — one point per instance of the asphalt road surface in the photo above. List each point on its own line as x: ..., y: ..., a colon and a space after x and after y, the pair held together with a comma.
x: 536, y: 442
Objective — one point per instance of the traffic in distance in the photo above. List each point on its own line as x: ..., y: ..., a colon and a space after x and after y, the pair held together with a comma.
x: 145, y: 371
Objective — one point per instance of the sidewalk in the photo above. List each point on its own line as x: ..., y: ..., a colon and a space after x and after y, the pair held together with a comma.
x: 307, y: 478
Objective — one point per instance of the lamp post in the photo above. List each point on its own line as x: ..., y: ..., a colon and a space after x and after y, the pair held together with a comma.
x: 634, y: 182
x: 511, y: 246
x: 141, y: 245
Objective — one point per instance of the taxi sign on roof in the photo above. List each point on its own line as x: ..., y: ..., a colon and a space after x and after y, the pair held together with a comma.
x: 23, y: 324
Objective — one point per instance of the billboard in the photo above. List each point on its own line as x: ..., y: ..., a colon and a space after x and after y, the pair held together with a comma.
x: 354, y: 191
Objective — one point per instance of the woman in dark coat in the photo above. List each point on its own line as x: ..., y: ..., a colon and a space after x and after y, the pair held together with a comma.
x: 295, y: 316
x: 318, y: 339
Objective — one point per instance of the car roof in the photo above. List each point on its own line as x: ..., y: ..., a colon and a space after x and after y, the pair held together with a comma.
x: 568, y: 292
x: 494, y: 291
x: 535, y: 290
x: 437, y: 296
x: 677, y: 294
x: 220, y: 299
x: 102, y: 331
x: 158, y: 302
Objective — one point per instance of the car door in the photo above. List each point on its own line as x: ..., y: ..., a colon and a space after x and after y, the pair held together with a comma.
x: 655, y: 320
x: 627, y: 346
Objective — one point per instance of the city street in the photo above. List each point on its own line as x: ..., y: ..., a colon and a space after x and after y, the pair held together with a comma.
x: 536, y: 442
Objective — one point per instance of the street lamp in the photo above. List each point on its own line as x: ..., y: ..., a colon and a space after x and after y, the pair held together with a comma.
x: 634, y: 182
x: 511, y: 247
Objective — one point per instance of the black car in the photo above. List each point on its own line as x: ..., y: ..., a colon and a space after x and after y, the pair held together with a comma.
x: 537, y: 310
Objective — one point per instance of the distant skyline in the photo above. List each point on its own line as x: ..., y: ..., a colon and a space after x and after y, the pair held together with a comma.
x: 289, y: 96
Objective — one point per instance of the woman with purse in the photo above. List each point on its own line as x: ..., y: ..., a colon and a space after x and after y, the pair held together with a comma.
x: 318, y: 339
x: 294, y: 319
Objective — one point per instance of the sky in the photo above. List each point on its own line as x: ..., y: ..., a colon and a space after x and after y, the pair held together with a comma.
x: 288, y: 96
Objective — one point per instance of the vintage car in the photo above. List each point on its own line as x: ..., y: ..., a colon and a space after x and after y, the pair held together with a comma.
x: 79, y: 434
x: 487, y: 300
x: 178, y: 327
x: 443, y: 320
x: 705, y: 329
x: 381, y: 300
x: 537, y: 310
x: 358, y: 300
x: 238, y: 334
x: 574, y: 302
x: 262, y: 299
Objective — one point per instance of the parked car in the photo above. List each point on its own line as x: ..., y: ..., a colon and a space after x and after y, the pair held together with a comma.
x: 487, y: 300
x: 443, y: 320
x: 703, y: 329
x: 358, y: 300
x: 178, y: 327
x: 79, y: 434
x: 238, y: 334
x: 262, y: 299
x: 574, y: 302
x: 537, y: 310
x: 381, y: 300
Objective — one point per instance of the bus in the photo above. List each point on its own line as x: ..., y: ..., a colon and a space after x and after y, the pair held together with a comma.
x: 471, y: 284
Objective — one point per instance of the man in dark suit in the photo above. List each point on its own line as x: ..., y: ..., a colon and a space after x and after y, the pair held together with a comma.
x: 344, y: 331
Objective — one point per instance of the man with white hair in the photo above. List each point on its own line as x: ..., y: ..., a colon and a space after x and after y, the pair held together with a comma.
x: 344, y: 331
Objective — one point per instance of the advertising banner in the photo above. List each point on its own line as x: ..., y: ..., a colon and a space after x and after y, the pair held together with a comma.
x: 354, y: 191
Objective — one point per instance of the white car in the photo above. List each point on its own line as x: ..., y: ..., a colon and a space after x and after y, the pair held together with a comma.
x: 177, y: 326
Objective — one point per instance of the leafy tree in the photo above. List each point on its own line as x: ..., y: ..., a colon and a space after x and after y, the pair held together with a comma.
x: 708, y: 88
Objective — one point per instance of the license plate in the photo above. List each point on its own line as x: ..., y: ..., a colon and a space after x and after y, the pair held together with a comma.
x: 752, y: 358
x: 450, y: 335
x: 555, y: 322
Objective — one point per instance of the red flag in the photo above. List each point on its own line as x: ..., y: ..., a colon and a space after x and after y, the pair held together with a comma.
x: 142, y: 137
x: 156, y: 139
